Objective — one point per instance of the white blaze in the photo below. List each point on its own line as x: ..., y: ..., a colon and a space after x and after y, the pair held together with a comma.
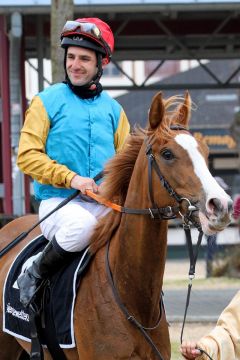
x: 209, y: 184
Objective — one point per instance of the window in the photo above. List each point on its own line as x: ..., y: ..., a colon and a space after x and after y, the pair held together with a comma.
x: 112, y: 71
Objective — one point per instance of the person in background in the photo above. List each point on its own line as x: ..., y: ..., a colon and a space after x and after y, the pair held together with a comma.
x: 236, y: 211
x: 222, y: 343
x: 71, y: 130
x: 212, y: 246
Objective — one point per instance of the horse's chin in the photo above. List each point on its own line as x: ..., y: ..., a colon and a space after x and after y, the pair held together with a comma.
x: 212, y: 226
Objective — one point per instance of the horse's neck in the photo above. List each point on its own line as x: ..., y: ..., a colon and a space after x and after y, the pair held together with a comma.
x: 138, y: 259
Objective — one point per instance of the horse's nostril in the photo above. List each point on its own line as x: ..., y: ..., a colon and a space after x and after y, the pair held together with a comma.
x: 215, y: 205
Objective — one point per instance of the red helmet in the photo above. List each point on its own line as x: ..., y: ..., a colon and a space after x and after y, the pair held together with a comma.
x: 91, y: 33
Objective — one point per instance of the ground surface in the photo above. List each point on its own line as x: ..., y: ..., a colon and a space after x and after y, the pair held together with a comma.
x: 176, y: 277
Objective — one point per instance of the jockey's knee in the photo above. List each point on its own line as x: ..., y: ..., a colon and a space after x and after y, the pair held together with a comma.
x: 75, y: 236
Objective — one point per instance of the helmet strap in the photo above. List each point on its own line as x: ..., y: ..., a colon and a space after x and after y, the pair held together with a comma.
x: 93, y: 84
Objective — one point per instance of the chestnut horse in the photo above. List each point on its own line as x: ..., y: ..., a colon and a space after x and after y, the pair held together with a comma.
x: 159, y: 173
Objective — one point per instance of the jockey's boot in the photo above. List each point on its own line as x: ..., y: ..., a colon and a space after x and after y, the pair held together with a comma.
x: 48, y: 263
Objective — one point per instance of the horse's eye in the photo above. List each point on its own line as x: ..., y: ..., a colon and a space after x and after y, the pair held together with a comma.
x: 167, y: 154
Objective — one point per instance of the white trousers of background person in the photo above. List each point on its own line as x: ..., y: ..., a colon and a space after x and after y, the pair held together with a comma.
x: 73, y: 224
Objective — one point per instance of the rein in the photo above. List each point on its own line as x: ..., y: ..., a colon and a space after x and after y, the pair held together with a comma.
x: 24, y: 234
x: 129, y: 317
x: 165, y: 213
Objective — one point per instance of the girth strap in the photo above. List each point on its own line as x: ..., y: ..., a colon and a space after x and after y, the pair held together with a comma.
x: 40, y: 324
x: 50, y: 331
x: 36, y: 346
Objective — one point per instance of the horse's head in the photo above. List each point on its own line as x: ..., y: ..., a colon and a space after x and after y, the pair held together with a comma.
x: 182, y: 161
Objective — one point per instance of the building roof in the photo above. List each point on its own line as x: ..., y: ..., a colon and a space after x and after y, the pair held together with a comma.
x: 116, y: 2
x: 43, y: 6
x: 215, y: 108
x: 143, y: 29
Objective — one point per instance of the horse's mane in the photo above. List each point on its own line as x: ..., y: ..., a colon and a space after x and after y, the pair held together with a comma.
x: 117, y: 175
x: 118, y: 171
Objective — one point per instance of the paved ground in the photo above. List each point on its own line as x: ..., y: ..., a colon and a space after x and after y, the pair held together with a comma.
x: 206, y: 304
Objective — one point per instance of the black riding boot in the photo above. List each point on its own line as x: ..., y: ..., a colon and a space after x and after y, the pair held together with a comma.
x: 48, y: 263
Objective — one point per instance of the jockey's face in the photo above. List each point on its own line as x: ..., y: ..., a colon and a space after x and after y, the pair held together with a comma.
x: 81, y: 65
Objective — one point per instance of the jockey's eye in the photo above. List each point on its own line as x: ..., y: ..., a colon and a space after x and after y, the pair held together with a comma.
x: 167, y: 154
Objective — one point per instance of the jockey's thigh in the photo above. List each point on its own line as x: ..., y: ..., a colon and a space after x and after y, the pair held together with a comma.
x: 73, y: 224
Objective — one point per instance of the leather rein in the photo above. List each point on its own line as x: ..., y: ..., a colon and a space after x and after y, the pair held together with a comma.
x: 163, y: 213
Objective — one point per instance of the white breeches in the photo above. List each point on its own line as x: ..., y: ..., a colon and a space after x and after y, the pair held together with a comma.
x: 73, y: 224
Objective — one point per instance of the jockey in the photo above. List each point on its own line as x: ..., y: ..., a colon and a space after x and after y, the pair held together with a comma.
x: 70, y: 131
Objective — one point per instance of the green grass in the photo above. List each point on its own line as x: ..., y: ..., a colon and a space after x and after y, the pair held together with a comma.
x: 217, y: 282
x: 175, y: 351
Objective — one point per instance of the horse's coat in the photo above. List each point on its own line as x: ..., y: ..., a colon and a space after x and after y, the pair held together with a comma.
x: 138, y: 243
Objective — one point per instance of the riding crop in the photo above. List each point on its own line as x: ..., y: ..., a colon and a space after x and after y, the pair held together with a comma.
x: 24, y: 234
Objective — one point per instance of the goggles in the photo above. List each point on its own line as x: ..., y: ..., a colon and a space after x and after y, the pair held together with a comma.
x: 87, y: 28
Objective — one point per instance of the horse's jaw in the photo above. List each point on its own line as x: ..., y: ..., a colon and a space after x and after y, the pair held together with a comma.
x: 212, y: 225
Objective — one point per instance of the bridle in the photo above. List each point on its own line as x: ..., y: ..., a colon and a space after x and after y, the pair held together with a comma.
x: 164, y: 213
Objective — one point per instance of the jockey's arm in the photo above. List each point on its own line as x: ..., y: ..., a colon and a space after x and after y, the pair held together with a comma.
x: 122, y: 132
x: 32, y: 159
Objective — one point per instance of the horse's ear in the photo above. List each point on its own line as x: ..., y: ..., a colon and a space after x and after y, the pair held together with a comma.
x: 184, y: 111
x: 156, y: 111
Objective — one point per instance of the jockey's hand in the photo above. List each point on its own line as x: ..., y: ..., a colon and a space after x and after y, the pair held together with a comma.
x: 189, y: 350
x: 84, y: 183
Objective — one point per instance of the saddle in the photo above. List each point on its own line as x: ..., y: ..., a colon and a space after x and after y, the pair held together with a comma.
x: 54, y: 306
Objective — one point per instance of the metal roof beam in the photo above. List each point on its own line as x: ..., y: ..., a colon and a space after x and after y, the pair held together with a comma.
x: 112, y: 7
x: 175, y: 86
